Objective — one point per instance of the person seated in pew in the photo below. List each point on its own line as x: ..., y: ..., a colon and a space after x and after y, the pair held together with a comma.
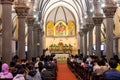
x: 102, y: 67
x: 5, y: 72
x: 45, y: 73
x: 32, y: 73
x: 20, y: 73
x: 112, y: 73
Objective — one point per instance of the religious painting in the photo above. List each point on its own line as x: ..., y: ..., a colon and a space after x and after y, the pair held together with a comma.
x: 71, y: 28
x: 60, y: 29
x: 50, y: 29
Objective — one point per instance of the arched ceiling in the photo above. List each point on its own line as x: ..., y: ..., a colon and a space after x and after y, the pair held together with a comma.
x: 42, y: 8
x: 60, y: 13
x: 78, y: 8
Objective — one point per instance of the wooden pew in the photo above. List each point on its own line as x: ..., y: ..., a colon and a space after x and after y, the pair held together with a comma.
x: 50, y: 78
x: 6, y: 79
x: 53, y: 71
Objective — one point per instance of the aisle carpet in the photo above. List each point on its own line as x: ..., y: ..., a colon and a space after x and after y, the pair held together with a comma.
x: 64, y: 72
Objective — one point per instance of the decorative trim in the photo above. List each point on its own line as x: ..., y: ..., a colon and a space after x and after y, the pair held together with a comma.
x: 22, y: 11
x: 7, y: 2
x: 90, y: 26
x: 109, y: 11
x: 30, y: 21
x: 98, y: 20
x: 80, y: 33
x: 84, y: 29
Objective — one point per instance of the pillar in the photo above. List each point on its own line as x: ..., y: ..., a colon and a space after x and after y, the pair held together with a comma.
x: 6, y: 30
x: 81, y: 41
x: 0, y: 46
x: 109, y: 11
x: 22, y: 12
x: 97, y: 22
x: 35, y: 39
x: 0, y: 21
x: 115, y: 45
x: 38, y: 40
x: 41, y: 33
x: 90, y: 28
x: 30, y: 22
x: 0, y: 40
x: 84, y: 30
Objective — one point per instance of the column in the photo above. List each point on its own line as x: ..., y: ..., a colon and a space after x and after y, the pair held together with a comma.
x: 90, y: 28
x: 6, y: 30
x: 81, y: 41
x: 109, y: 11
x: 22, y: 12
x: 30, y: 22
x: 0, y: 46
x: 0, y: 21
x: 84, y: 30
x: 35, y: 39
x: 38, y: 40
x: 97, y: 22
x: 115, y: 45
x: 41, y: 33
x: 0, y: 40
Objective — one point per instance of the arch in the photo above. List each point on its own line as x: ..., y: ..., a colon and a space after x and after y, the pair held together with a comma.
x: 65, y: 4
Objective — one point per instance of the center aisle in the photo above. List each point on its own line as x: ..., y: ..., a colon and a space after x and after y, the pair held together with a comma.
x: 64, y: 72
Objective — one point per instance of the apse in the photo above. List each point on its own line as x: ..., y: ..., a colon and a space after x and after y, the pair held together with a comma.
x: 61, y: 28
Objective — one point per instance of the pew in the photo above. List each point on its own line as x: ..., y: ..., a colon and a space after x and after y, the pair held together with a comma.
x: 83, y: 73
x: 6, y: 79
x: 50, y: 78
x: 53, y: 71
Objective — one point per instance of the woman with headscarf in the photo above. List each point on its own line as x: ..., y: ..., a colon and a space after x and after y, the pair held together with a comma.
x: 5, y: 72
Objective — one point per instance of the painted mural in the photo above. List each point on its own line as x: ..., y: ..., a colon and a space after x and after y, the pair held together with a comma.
x: 71, y: 28
x: 50, y: 29
x: 60, y: 29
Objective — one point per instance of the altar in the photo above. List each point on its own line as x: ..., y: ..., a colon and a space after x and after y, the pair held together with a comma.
x: 61, y: 57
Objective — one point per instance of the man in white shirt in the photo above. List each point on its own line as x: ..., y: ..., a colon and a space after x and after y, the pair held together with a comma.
x: 47, y: 52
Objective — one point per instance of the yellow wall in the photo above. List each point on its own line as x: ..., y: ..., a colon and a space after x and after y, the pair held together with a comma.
x: 117, y: 26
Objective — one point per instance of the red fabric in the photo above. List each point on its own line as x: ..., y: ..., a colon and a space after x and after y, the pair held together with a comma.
x: 64, y: 72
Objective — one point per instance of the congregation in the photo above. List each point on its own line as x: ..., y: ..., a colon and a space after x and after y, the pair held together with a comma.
x: 94, y: 68
x: 39, y: 68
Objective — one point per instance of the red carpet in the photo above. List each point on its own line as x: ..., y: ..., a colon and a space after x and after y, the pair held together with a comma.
x: 64, y: 72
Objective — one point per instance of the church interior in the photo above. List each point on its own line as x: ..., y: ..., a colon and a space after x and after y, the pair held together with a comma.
x: 62, y: 28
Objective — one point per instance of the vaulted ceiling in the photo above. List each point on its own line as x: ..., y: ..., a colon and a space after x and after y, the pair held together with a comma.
x: 65, y: 10
x: 76, y: 10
